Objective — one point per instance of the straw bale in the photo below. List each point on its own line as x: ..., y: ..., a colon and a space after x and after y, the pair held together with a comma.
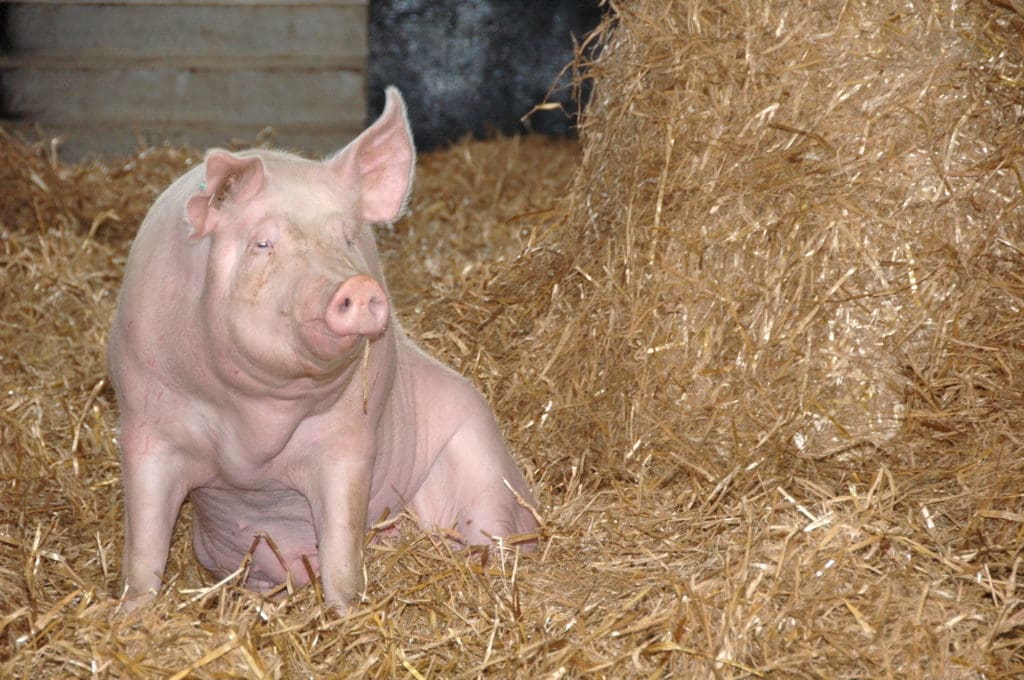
x: 756, y: 341
x: 789, y: 203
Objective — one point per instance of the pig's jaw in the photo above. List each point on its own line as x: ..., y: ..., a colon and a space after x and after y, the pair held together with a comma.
x: 330, y: 358
x: 304, y: 361
x: 324, y: 346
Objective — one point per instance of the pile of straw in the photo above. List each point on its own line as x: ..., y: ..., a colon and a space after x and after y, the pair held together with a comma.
x: 756, y: 340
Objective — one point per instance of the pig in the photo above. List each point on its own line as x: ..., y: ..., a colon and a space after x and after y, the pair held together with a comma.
x: 260, y: 373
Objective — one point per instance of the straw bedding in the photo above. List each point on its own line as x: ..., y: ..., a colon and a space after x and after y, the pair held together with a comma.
x: 756, y: 341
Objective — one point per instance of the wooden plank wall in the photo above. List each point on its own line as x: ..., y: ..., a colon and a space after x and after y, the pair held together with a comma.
x: 110, y: 75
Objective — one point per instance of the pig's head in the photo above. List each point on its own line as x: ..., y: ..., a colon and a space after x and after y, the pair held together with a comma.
x: 293, y: 286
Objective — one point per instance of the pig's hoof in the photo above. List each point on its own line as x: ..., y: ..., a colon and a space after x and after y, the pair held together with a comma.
x: 345, y: 605
x: 134, y: 602
x: 340, y: 609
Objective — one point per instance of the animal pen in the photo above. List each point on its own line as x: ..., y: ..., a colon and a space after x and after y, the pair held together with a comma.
x: 756, y: 340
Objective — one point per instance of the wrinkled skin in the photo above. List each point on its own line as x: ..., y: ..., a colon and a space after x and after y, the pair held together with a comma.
x: 260, y: 373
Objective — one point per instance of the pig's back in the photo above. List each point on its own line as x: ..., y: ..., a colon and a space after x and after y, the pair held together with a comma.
x: 154, y: 322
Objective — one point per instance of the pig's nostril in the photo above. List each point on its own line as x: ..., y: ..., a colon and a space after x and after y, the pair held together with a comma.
x: 346, y: 303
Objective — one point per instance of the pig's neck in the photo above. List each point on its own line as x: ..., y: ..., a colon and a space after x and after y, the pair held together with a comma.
x: 262, y: 416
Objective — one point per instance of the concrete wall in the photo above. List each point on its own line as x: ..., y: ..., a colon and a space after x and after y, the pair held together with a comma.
x: 108, y: 76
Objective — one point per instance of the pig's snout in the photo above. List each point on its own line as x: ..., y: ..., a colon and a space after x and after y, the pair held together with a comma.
x: 358, y: 307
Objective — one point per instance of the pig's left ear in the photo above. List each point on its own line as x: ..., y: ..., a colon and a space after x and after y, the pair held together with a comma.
x: 380, y: 162
x: 228, y: 178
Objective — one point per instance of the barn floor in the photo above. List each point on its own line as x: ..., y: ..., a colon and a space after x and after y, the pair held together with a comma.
x: 787, y: 568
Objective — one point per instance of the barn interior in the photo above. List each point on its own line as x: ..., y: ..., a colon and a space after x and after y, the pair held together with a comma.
x: 753, y: 332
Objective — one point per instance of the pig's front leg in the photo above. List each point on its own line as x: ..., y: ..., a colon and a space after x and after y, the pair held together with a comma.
x: 155, y: 486
x: 337, y: 488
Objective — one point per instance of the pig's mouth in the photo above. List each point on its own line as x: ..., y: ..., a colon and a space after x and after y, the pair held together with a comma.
x: 326, y: 346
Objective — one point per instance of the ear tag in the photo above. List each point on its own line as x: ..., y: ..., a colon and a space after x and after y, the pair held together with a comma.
x: 202, y: 186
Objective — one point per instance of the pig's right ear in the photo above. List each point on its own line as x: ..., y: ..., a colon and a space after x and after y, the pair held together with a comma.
x: 228, y: 179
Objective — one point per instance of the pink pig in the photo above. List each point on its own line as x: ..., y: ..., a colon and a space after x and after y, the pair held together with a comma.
x: 259, y: 372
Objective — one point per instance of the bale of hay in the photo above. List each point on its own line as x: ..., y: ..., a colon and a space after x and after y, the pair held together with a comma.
x: 782, y: 211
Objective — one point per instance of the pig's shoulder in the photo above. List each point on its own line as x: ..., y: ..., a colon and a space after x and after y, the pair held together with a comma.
x: 432, y: 381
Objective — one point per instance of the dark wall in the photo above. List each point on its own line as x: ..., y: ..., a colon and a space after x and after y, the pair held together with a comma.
x: 4, y: 50
x: 476, y: 65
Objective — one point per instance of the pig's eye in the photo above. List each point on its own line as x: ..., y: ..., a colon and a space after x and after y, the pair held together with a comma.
x: 262, y: 245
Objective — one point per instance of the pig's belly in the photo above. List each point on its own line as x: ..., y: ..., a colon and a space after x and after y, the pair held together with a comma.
x: 226, y: 523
